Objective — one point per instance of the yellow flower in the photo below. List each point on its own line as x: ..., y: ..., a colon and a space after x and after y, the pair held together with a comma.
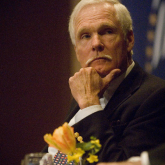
x: 97, y: 142
x: 76, y: 134
x: 63, y: 139
x: 76, y: 156
x: 80, y: 139
x: 92, y: 158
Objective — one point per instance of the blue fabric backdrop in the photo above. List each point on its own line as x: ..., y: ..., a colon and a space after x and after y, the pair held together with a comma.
x: 149, y: 30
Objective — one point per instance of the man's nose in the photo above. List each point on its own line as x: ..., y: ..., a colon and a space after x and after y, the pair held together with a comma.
x: 97, y: 45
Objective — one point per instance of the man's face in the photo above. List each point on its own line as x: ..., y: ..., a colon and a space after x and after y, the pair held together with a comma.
x: 98, y: 33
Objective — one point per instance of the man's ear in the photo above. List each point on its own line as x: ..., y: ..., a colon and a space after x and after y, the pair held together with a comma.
x: 130, y: 40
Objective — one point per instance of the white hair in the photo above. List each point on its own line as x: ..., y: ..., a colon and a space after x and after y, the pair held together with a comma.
x: 123, y: 16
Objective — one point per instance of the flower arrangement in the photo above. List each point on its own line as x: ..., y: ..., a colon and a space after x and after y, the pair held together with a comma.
x: 65, y: 140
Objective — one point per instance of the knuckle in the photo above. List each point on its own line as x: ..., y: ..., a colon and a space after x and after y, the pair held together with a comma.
x: 82, y: 70
x: 70, y: 79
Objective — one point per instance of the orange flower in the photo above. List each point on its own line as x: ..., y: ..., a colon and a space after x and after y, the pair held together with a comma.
x: 63, y: 139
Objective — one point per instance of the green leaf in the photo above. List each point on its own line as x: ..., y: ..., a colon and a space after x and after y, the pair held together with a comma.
x: 86, y: 146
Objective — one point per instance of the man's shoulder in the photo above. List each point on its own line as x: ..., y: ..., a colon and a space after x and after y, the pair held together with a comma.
x: 146, y: 79
x: 153, y: 81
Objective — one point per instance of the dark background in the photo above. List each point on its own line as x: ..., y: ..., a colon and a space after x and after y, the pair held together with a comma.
x: 35, y: 68
x: 34, y: 72
x: 140, y: 11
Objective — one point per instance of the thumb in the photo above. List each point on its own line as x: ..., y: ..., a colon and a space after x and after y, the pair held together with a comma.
x: 112, y: 75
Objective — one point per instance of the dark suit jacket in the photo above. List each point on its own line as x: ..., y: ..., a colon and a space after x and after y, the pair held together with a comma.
x: 132, y: 121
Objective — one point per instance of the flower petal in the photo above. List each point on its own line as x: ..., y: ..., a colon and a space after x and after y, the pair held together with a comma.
x: 92, y: 158
x: 69, y: 136
x: 50, y: 140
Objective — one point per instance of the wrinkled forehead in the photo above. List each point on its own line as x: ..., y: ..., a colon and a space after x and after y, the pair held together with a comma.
x: 93, y: 8
x: 102, y: 13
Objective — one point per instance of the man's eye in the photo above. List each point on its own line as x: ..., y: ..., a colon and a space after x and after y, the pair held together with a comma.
x: 108, y: 31
x: 85, y: 36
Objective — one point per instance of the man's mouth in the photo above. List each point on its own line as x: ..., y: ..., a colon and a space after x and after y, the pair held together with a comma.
x: 107, y: 57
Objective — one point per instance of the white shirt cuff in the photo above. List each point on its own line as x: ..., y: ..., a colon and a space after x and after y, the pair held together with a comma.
x: 82, y: 113
x: 52, y: 151
x: 145, y: 158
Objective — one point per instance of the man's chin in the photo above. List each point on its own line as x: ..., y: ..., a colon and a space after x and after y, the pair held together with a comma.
x: 102, y: 68
x: 102, y: 73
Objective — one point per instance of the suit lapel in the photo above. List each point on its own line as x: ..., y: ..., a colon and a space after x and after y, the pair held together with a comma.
x: 73, y: 110
x: 129, y: 85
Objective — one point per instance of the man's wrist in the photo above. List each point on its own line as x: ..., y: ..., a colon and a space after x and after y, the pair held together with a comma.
x: 89, y: 102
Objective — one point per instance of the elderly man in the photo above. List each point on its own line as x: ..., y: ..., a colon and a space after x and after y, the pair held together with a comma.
x: 114, y: 99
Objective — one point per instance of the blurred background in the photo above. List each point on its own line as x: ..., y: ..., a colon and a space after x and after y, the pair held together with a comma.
x: 37, y: 59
